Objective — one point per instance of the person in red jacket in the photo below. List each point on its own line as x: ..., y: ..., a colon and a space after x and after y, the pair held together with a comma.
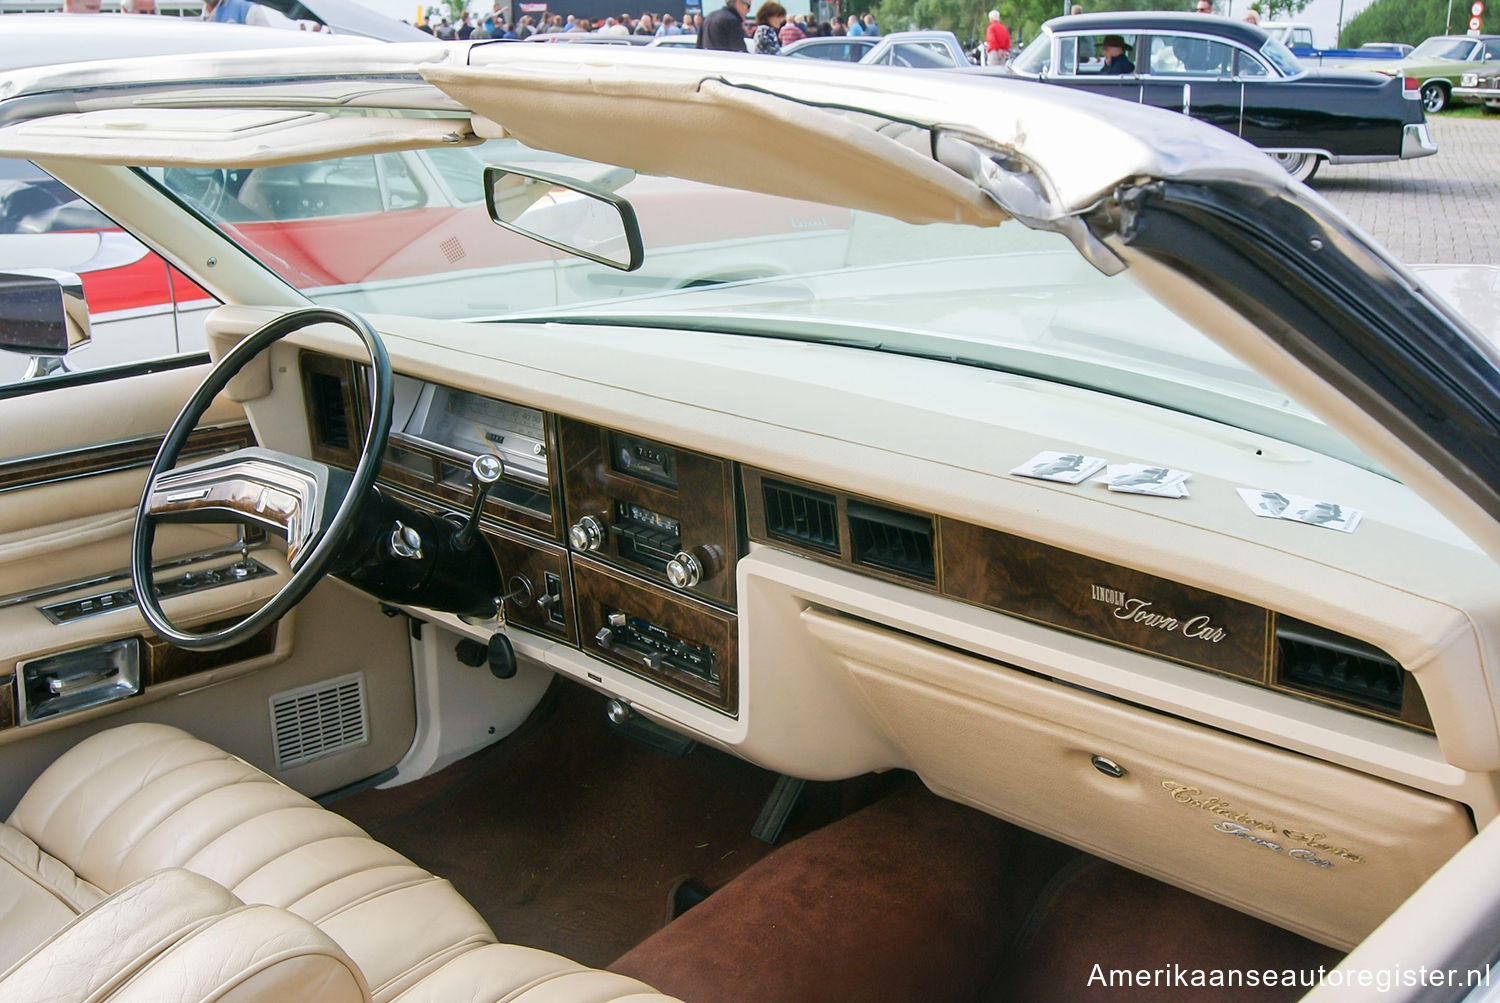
x: 996, y: 42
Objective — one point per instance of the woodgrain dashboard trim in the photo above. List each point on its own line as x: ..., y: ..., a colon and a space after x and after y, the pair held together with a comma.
x: 37, y: 470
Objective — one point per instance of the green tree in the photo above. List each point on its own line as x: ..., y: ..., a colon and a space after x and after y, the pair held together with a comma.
x: 1279, y: 10
x: 1411, y: 21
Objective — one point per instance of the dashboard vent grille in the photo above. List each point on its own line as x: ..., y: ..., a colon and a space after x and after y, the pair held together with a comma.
x: 1323, y: 663
x: 891, y: 540
x: 800, y: 515
x: 311, y: 722
x: 330, y: 415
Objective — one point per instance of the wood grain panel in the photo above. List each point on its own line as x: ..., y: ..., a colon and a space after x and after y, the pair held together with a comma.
x: 164, y: 662
x: 103, y: 459
x: 8, y: 702
x: 702, y: 503
x: 601, y: 589
x: 1102, y: 600
x: 532, y: 561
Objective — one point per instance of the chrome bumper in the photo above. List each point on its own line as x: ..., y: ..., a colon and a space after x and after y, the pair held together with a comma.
x: 1415, y: 142
x: 1477, y: 94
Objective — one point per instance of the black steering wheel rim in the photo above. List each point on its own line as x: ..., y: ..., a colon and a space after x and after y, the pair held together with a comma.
x: 330, y: 540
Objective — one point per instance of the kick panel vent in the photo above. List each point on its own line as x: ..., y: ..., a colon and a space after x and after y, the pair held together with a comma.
x: 328, y: 401
x: 1323, y: 663
x: 800, y: 515
x: 311, y: 722
x: 892, y: 541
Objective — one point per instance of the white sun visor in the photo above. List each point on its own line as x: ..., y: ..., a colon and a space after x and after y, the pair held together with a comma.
x: 687, y: 125
x: 220, y: 137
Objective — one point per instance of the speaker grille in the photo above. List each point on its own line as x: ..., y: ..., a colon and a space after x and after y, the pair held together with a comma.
x: 311, y: 722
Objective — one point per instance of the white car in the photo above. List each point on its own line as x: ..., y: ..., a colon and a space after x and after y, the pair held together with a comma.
x: 1065, y: 535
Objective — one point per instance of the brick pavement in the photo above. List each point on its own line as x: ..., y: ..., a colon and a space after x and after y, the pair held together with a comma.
x: 1444, y: 208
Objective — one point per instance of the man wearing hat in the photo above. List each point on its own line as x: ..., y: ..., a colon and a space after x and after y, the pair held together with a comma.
x: 996, y: 41
x: 1115, y: 61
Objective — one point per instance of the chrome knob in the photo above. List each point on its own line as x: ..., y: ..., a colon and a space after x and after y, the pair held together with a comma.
x: 586, y: 534
x: 405, y: 542
x: 684, y: 571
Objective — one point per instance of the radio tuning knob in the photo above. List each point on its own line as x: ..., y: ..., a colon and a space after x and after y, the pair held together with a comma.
x: 684, y: 571
x: 586, y: 534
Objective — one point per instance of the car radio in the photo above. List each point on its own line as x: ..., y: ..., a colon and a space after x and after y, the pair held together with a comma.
x: 662, y: 512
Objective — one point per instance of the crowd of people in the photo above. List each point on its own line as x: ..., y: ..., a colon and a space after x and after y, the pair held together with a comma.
x: 771, y: 26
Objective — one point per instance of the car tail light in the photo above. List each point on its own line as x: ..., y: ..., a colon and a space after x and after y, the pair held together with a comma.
x: 1410, y: 89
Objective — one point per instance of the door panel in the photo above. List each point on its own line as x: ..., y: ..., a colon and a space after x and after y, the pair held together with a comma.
x: 72, y: 467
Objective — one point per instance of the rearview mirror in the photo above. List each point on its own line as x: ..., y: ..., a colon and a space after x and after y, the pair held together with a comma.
x: 42, y: 312
x: 577, y: 218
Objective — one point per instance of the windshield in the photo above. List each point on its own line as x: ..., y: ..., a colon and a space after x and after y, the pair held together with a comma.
x: 1444, y: 48
x: 409, y: 233
x: 1282, y: 58
x: 1036, y: 58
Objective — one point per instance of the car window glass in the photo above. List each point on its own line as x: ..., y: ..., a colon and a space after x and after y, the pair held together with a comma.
x: 1281, y: 58
x: 1090, y: 52
x: 1302, y: 36
x: 399, y: 189
x: 140, y: 309
x: 1037, y: 57
x: 1492, y: 49
x: 1189, y: 55
x: 1246, y: 65
x: 919, y: 55
x: 1444, y: 48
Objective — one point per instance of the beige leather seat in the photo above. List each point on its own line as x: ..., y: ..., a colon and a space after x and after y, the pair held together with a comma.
x: 128, y: 804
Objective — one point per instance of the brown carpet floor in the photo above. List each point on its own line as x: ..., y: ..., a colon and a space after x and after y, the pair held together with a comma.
x: 911, y: 899
x: 567, y: 836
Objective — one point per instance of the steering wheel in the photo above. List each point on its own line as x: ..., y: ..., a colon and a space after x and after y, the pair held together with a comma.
x: 314, y: 504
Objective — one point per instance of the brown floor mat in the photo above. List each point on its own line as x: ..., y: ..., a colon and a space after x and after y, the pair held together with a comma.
x: 567, y: 837
x: 1096, y: 919
x: 912, y: 898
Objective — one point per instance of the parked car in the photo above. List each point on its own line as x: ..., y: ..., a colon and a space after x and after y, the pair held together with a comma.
x: 1231, y: 75
x: 1298, y: 37
x: 916, y: 49
x: 1439, y: 62
x: 674, y: 41
x: 590, y: 38
x: 1481, y: 87
x: 1059, y: 455
x: 839, y: 48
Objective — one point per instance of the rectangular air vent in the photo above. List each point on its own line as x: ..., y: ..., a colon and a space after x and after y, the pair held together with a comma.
x: 314, y: 721
x: 892, y: 541
x: 329, y: 402
x: 801, y: 515
x: 1327, y: 664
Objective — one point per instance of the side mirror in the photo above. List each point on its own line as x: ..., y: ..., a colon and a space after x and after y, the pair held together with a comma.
x: 42, y: 312
x: 584, y: 219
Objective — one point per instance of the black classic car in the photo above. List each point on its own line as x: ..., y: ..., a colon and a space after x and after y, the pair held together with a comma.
x: 1233, y: 75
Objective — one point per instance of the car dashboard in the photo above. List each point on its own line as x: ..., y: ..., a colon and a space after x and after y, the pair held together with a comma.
x: 742, y: 542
